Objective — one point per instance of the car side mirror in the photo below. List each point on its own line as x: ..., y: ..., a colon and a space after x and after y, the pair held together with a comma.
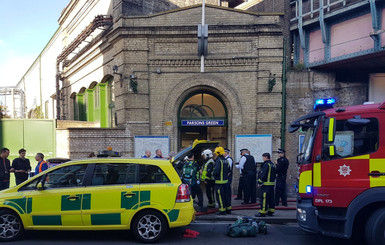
x: 40, y: 186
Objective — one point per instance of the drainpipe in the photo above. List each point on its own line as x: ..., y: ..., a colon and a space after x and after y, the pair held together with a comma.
x: 57, y: 92
x: 283, y: 113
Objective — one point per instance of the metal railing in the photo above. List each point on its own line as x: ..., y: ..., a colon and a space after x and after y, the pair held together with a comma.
x: 309, y: 9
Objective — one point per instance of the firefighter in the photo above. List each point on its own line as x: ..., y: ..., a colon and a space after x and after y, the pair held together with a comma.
x: 208, y: 178
x: 221, y: 175
x: 267, y: 181
x: 281, y: 171
x: 191, y: 176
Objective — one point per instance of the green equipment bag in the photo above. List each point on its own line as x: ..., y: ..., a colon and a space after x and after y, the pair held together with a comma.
x: 247, y: 227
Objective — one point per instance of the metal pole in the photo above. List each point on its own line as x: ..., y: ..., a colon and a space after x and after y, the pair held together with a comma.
x: 203, y: 24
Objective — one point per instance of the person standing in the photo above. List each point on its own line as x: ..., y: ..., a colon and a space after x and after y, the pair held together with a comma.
x: 41, y: 164
x: 228, y: 185
x: 208, y: 178
x: 158, y: 153
x: 249, y: 171
x: 147, y: 154
x: 281, y: 171
x: 191, y: 176
x: 267, y: 181
x: 5, y: 169
x: 21, y: 166
x: 221, y: 177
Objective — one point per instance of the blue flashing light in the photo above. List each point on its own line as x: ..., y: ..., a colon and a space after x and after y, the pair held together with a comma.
x: 324, y: 103
x: 308, y: 189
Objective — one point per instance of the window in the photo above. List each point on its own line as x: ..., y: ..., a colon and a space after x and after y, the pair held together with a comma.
x: 353, y: 139
x: 114, y: 174
x: 69, y: 176
x: 152, y: 174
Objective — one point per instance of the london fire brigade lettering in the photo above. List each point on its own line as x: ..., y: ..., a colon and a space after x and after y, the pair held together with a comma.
x: 344, y: 170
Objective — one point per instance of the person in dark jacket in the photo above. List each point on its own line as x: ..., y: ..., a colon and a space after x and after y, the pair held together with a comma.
x: 21, y: 166
x: 5, y: 168
x: 266, y: 181
x: 221, y: 177
x: 249, y: 172
x: 281, y: 171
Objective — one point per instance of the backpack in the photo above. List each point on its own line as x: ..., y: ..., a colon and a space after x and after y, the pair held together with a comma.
x: 189, y: 172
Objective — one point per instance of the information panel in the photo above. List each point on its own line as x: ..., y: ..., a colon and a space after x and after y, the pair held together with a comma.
x: 257, y: 144
x: 143, y: 143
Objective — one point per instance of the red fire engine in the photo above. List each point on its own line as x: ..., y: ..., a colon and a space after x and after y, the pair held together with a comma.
x: 341, y: 188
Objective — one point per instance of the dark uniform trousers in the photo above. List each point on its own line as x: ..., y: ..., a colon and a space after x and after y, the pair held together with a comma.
x: 267, y: 199
x: 221, y: 193
x: 210, y: 184
x: 250, y: 187
x: 228, y: 193
x: 280, y: 191
x: 240, y: 187
x: 196, y: 191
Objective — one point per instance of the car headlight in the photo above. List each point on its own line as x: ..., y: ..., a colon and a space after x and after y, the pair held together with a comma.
x: 301, y: 214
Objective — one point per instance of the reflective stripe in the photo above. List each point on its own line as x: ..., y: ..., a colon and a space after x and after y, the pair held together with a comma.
x: 263, y: 209
x: 221, y: 181
x: 221, y: 207
x: 331, y: 130
x: 268, y: 183
x: 317, y: 174
x: 268, y: 173
x: 331, y: 150
x: 305, y: 179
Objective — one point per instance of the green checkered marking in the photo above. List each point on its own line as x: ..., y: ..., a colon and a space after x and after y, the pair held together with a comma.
x: 105, y: 219
x: 68, y: 205
x: 22, y: 205
x: 46, y: 220
x: 129, y: 202
x: 172, y: 214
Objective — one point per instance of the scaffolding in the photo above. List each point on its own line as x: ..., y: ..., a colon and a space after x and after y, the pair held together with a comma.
x: 12, y: 99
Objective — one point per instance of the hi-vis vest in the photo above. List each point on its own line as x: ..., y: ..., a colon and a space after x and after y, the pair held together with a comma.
x: 207, y: 173
x: 41, y: 165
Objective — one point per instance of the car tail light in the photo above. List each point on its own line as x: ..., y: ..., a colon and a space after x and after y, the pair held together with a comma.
x: 183, y: 194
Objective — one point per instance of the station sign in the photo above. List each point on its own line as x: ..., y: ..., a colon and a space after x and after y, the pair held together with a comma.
x: 210, y: 123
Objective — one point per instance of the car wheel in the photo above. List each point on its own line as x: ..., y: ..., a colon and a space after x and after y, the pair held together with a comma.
x: 149, y: 226
x: 11, y: 226
x: 375, y: 228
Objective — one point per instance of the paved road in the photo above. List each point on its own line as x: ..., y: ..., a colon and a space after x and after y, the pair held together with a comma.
x: 212, y: 233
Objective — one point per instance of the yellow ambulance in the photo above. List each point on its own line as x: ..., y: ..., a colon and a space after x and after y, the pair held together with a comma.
x: 145, y: 196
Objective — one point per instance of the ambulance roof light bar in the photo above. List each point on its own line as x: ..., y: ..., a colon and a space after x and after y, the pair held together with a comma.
x: 322, y: 104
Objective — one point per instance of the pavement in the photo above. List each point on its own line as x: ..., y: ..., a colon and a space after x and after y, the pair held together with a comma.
x: 283, y: 214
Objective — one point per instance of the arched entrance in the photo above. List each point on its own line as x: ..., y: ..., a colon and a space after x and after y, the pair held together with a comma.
x: 202, y: 115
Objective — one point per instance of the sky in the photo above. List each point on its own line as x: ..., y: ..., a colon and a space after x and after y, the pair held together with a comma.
x: 26, y: 26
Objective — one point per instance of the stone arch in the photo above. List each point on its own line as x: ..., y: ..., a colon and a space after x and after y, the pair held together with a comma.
x: 82, y: 90
x: 212, y: 84
x: 107, y: 78
x: 92, y: 85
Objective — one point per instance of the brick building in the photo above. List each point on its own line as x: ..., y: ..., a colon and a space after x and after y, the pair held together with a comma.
x: 141, y: 73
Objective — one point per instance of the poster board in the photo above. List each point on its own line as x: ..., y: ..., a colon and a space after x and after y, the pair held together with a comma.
x: 257, y: 144
x: 143, y: 143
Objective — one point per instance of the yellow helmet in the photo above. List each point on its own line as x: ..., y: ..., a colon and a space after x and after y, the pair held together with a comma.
x: 219, y: 151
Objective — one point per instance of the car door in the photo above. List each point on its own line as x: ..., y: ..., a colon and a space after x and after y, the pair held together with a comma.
x: 114, y: 195
x: 156, y: 188
x: 60, y: 200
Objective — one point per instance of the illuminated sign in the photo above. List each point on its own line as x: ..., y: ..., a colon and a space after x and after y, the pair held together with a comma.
x: 203, y: 122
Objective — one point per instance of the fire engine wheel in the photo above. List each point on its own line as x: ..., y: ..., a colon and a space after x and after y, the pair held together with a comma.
x: 149, y: 226
x: 11, y: 226
x: 375, y: 228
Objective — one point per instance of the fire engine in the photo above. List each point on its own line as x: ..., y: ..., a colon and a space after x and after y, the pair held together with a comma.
x: 341, y: 189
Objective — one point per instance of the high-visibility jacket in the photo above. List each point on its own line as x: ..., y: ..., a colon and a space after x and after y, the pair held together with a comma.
x: 207, y: 173
x: 267, y: 174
